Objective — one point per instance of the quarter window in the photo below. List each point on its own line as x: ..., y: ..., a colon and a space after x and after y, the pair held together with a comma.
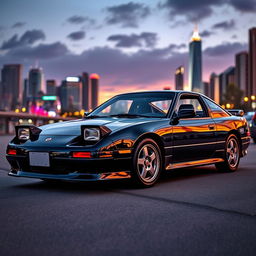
x: 216, y: 110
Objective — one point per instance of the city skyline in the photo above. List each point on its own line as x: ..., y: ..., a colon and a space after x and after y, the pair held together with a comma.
x: 128, y: 51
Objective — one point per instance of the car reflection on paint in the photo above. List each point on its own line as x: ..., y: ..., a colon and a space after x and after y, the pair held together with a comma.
x: 133, y: 135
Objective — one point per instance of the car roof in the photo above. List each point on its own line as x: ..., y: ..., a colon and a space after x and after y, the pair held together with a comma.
x: 161, y: 91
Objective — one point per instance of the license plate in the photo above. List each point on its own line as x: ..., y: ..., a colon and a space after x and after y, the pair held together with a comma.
x: 39, y: 159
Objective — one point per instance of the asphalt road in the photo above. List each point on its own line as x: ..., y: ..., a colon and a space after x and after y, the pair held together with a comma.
x: 189, y: 212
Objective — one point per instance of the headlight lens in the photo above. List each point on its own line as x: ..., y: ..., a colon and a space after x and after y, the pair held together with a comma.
x: 23, y: 134
x: 91, y: 134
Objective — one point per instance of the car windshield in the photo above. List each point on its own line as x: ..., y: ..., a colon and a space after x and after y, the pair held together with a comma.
x: 153, y: 104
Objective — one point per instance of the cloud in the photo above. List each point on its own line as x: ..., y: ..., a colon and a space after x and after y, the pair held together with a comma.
x: 18, y: 24
x: 127, y: 15
x: 151, y: 68
x: 76, y: 19
x: 75, y: 36
x: 192, y: 10
x: 244, y: 6
x: 197, y: 10
x: 28, y: 38
x: 206, y: 33
x: 41, y: 51
x: 145, y: 39
x: 225, y: 49
x: 225, y: 25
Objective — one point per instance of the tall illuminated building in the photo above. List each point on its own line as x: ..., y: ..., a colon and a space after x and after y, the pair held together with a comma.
x: 207, y: 91
x: 35, y: 82
x: 86, y: 101
x: 226, y: 78
x: 214, y: 90
x: 94, y: 79
x: 71, y: 94
x: 51, y: 87
x: 252, y: 62
x: 11, y: 86
x: 179, y: 78
x: 195, y: 63
x: 241, y: 72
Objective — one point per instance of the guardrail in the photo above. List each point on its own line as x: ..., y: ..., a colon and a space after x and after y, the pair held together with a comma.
x: 9, y: 119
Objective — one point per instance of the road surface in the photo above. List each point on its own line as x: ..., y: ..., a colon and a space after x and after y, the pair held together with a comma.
x: 196, y: 211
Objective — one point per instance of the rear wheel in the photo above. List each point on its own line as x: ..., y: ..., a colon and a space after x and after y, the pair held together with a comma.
x: 147, y: 163
x: 232, y: 155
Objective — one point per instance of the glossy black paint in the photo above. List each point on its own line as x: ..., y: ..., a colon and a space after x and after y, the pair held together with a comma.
x: 181, y: 141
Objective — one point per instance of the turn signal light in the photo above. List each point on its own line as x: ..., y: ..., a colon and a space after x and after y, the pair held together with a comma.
x: 12, y: 152
x: 82, y: 154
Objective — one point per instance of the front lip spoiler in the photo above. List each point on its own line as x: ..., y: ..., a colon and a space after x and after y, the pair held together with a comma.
x: 74, y: 176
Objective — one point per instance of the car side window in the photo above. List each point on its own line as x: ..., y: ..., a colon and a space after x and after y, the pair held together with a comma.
x: 216, y: 110
x: 198, y: 107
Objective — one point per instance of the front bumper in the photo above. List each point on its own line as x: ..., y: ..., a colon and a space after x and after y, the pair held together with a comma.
x: 67, y: 168
x: 74, y: 176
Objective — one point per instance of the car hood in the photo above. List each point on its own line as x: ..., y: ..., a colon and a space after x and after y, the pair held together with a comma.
x: 74, y: 127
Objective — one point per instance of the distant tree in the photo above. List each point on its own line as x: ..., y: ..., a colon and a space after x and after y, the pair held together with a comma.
x: 233, y: 95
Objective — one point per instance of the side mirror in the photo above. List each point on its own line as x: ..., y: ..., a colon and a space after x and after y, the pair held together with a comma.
x: 186, y: 113
x: 240, y: 113
x: 86, y: 114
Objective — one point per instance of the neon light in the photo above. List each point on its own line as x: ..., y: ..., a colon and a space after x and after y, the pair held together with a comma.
x: 72, y: 79
x: 47, y: 97
x: 94, y: 76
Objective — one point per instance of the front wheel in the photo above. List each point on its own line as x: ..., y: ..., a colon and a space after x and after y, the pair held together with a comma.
x: 232, y: 155
x: 147, y: 163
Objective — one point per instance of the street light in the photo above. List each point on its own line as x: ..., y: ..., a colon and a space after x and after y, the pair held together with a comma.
x: 246, y: 99
x: 253, y: 97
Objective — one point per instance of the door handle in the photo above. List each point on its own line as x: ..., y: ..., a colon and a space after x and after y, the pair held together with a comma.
x: 211, y: 127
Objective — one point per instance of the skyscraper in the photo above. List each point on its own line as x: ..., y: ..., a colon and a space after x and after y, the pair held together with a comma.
x: 252, y: 62
x: 35, y: 82
x: 179, y: 78
x: 241, y: 72
x: 11, y: 92
x: 214, y: 88
x: 71, y: 94
x: 94, y: 78
x: 51, y: 87
x: 226, y: 78
x: 207, y: 91
x: 86, y: 92
x: 195, y: 63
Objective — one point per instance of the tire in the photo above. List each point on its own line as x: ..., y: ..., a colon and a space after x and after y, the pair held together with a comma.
x: 146, y: 163
x: 232, y: 155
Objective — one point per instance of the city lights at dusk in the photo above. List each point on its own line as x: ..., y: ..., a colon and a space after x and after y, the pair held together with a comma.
x: 133, y: 46
x: 128, y: 127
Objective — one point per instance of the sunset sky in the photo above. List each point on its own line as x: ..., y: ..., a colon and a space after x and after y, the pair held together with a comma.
x: 132, y: 45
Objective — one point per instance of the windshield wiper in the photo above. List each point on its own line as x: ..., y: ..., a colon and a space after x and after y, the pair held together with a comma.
x: 92, y: 116
x: 128, y: 115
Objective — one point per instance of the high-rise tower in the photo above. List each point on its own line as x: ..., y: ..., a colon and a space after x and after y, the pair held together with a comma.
x: 195, y: 63
x: 35, y: 82
x: 179, y: 78
x: 94, y: 90
x: 252, y: 62
x: 11, y: 92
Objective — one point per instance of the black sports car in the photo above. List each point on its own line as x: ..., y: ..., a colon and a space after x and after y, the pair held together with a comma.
x: 133, y: 135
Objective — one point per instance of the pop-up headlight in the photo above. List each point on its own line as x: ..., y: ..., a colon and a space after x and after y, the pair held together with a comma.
x: 94, y: 134
x: 23, y: 133
x: 91, y: 134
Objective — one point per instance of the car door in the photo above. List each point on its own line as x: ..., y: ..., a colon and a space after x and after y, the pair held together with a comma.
x: 193, y: 138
